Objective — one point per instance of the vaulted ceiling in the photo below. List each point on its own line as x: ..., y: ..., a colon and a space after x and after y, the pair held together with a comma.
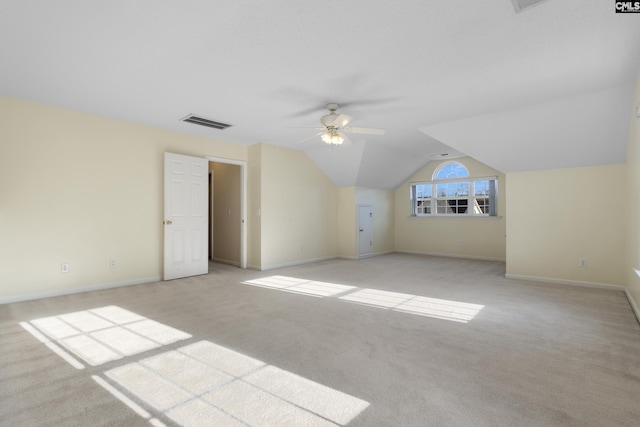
x: 549, y: 87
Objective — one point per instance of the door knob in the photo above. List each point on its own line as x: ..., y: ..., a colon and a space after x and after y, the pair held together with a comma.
x: 168, y: 222
x: 362, y: 229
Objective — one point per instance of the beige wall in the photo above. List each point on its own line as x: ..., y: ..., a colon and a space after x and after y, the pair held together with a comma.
x: 81, y: 189
x: 227, y: 216
x: 481, y: 237
x: 254, y: 203
x: 556, y: 217
x: 382, y: 207
x: 347, y: 222
x: 633, y: 196
x: 299, y: 209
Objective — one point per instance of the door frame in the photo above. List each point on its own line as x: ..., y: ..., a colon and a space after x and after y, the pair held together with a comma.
x: 243, y: 203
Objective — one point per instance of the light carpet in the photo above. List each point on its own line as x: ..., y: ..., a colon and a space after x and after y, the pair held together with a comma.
x: 394, y: 340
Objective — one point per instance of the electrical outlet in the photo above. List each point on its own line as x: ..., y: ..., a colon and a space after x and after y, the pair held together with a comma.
x: 301, y: 248
x: 64, y: 268
x: 112, y: 263
x: 582, y: 263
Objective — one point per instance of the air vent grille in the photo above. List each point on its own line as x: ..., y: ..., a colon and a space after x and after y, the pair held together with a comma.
x: 521, y: 5
x: 198, y: 120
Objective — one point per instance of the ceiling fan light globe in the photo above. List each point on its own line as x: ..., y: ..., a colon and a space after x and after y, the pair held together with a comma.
x: 332, y: 139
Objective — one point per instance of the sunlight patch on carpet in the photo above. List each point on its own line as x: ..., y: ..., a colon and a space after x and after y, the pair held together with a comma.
x: 322, y: 400
x: 103, y: 334
x: 200, y: 384
x: 454, y: 311
x: 301, y: 286
x: 130, y: 403
x: 377, y: 298
x: 207, y: 384
x: 198, y: 413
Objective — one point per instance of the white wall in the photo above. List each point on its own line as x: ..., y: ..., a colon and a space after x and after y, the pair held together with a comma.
x: 480, y: 237
x: 556, y: 217
x: 81, y: 189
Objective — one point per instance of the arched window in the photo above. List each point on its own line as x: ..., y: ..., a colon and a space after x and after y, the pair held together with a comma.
x: 453, y: 192
x: 450, y: 170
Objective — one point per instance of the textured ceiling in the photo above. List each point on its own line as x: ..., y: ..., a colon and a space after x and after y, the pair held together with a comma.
x: 545, y: 88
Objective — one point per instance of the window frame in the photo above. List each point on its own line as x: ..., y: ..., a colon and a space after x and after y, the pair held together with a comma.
x: 471, y: 197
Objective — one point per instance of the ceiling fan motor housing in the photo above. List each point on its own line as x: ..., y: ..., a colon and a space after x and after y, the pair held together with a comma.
x: 329, y: 119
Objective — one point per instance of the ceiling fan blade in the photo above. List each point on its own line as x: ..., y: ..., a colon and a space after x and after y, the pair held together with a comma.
x: 366, y: 131
x: 347, y: 141
x: 310, y: 137
x: 341, y: 120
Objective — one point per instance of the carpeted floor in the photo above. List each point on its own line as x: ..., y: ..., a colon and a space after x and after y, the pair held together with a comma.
x: 394, y: 340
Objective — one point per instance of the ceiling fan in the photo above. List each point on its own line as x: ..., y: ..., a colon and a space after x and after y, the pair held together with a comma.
x: 335, y: 127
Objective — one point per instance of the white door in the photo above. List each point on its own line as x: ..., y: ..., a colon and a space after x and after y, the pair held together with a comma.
x: 185, y: 216
x: 365, y: 238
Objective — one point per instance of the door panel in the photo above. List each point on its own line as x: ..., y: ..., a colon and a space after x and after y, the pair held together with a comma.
x: 185, y: 216
x: 365, y: 237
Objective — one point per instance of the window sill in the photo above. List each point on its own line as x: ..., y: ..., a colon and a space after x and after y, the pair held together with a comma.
x: 457, y: 217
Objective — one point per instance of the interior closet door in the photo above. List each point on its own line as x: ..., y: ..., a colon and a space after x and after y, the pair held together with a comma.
x: 185, y: 216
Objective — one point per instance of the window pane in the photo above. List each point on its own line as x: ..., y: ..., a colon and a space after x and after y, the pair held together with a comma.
x: 452, y: 206
x: 481, y: 188
x: 481, y: 206
x: 459, y: 206
x: 452, y: 170
x: 423, y: 191
x: 424, y: 207
x: 423, y: 199
x: 442, y: 207
x: 452, y: 189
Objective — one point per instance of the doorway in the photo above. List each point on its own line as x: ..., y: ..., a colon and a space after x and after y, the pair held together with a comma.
x: 227, y: 204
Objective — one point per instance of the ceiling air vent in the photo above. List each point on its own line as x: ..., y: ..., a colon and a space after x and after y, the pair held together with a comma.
x: 197, y: 120
x: 522, y: 5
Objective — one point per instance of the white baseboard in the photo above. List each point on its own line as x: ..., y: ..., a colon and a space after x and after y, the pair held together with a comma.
x: 312, y: 260
x: 480, y: 258
x: 348, y: 257
x: 374, y: 254
x: 61, y: 292
x: 566, y: 282
x: 633, y: 304
x: 296, y: 263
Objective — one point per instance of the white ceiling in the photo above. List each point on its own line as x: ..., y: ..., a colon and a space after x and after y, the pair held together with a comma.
x: 546, y: 88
